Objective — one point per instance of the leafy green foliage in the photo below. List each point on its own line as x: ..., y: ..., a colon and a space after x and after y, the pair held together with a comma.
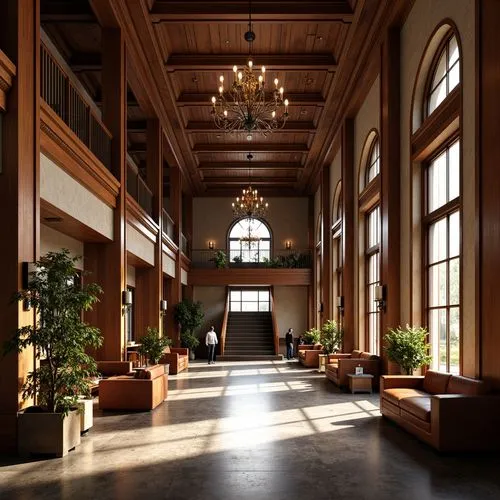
x: 331, y: 336
x: 191, y: 341
x: 237, y: 259
x: 312, y: 336
x: 220, y: 259
x: 152, y: 345
x: 292, y: 260
x: 408, y: 347
x: 189, y: 315
x: 60, y: 338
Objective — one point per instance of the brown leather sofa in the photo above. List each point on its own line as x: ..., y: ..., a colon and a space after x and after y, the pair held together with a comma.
x: 341, y: 364
x: 145, y: 389
x: 449, y: 412
x: 110, y: 368
x: 177, y: 358
x: 309, y: 355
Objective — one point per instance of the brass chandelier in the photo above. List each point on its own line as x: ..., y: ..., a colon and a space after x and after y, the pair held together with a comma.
x: 249, y: 204
x: 246, y: 106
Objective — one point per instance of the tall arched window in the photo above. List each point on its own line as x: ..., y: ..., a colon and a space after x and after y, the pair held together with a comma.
x: 249, y: 241
x: 445, y: 74
x: 337, y: 253
x: 369, y: 207
x: 440, y: 160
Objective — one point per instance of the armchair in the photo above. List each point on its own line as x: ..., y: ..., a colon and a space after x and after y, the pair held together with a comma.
x: 342, y: 364
x: 177, y: 358
x: 309, y: 355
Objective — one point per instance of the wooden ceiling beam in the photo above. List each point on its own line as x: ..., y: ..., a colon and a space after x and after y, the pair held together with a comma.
x: 250, y: 146
x: 209, y: 127
x: 256, y: 165
x: 265, y: 11
x: 241, y: 182
x: 76, y: 11
x: 268, y: 192
x: 296, y: 99
x: 85, y: 62
x: 273, y: 62
x: 137, y: 126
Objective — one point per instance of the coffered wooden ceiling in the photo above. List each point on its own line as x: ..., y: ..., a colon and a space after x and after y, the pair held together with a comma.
x: 317, y: 49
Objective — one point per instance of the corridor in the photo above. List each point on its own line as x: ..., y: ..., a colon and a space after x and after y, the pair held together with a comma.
x: 262, y: 430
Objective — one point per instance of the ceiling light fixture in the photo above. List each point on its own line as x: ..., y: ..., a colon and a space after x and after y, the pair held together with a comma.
x: 244, y: 106
x: 249, y: 205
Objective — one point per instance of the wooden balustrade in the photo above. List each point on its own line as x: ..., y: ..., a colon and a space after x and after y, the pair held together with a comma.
x: 275, y: 326
x: 168, y: 225
x: 224, y: 325
x: 58, y: 91
x: 139, y: 190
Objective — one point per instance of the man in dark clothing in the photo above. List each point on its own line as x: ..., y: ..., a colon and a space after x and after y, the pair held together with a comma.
x: 289, y: 343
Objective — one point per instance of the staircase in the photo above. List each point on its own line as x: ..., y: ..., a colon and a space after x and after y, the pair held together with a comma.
x: 249, y: 336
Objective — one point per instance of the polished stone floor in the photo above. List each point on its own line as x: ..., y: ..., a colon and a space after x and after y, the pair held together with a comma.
x: 263, y: 430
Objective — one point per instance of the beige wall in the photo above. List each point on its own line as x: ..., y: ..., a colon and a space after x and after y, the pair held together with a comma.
x: 287, y: 217
x: 420, y: 24
x: 131, y: 276
x: 65, y: 193
x: 168, y: 265
x: 213, y: 299
x: 140, y: 246
x: 368, y: 118
x: 53, y: 241
x: 290, y: 308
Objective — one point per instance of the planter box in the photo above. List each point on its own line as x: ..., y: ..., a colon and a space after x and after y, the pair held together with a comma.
x: 87, y: 414
x: 47, y: 433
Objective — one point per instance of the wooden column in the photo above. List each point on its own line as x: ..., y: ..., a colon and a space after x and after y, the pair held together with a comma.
x: 108, y: 262
x: 390, y: 182
x: 175, y: 286
x: 311, y: 313
x: 149, y: 282
x: 19, y: 196
x: 326, y: 239
x: 488, y: 153
x: 348, y: 233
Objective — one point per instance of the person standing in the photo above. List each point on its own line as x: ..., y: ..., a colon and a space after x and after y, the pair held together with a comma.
x: 211, y: 341
x: 289, y: 343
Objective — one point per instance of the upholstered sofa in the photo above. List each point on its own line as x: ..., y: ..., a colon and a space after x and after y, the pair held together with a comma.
x: 449, y: 412
x: 144, y: 389
x: 341, y: 364
x: 110, y: 368
x: 177, y: 358
x: 309, y: 355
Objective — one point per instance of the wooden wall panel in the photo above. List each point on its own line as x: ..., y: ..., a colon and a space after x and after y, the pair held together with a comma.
x: 326, y: 239
x: 19, y: 196
x: 218, y: 277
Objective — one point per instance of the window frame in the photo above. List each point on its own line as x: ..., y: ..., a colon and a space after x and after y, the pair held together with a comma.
x: 369, y: 164
x: 270, y: 239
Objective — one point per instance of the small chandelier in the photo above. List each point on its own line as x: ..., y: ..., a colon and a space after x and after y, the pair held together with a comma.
x: 245, y: 106
x: 249, y: 204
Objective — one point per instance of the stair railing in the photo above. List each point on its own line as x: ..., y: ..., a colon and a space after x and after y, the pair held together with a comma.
x: 275, y: 326
x: 224, y: 325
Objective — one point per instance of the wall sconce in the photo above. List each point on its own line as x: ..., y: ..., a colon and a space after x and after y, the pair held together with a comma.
x: 320, y: 309
x: 380, y: 297
x: 288, y: 244
x: 211, y: 245
x: 340, y: 304
x: 127, y: 299
x: 163, y: 307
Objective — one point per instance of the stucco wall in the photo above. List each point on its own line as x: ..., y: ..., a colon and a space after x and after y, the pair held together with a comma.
x: 53, y: 241
x: 140, y: 246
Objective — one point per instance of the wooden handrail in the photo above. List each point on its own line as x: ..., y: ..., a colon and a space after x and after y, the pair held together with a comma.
x: 275, y: 325
x: 224, y: 324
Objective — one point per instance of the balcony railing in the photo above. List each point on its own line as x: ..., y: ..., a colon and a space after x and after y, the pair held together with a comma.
x: 66, y: 101
x: 184, y: 245
x: 138, y: 189
x: 284, y: 259
x: 168, y: 225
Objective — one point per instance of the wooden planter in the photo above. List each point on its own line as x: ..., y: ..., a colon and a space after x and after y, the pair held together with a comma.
x: 47, y: 433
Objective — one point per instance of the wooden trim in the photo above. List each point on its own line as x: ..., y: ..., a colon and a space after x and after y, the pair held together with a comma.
x: 60, y: 144
x: 140, y: 220
x: 7, y: 73
x: 232, y: 276
x: 326, y: 255
x: 224, y: 324
x: 169, y: 247
x: 437, y: 127
x: 370, y: 195
x: 275, y: 324
x: 185, y: 262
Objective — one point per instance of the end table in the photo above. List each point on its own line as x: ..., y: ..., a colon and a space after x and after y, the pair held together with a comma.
x: 360, y: 383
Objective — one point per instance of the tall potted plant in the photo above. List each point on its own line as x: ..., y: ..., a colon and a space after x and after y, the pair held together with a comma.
x: 312, y: 336
x: 60, y: 340
x: 189, y: 315
x: 408, y: 347
x: 331, y: 336
x: 152, y: 345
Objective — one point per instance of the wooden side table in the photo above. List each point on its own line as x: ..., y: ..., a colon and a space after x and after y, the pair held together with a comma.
x: 360, y: 383
x: 322, y: 362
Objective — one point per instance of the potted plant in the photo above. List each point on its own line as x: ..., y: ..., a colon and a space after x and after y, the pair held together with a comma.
x: 220, y: 259
x: 312, y: 336
x: 189, y: 315
x: 331, y: 336
x: 60, y: 340
x: 152, y: 345
x: 237, y: 259
x: 408, y: 347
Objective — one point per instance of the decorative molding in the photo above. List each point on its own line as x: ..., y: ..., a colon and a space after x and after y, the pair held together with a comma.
x: 140, y: 220
x: 61, y: 145
x: 7, y: 73
x: 169, y: 247
x: 215, y: 277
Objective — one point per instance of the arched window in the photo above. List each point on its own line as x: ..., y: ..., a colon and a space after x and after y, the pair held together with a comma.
x: 439, y: 160
x: 249, y: 241
x: 445, y: 74
x: 337, y: 252
x: 373, y: 167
